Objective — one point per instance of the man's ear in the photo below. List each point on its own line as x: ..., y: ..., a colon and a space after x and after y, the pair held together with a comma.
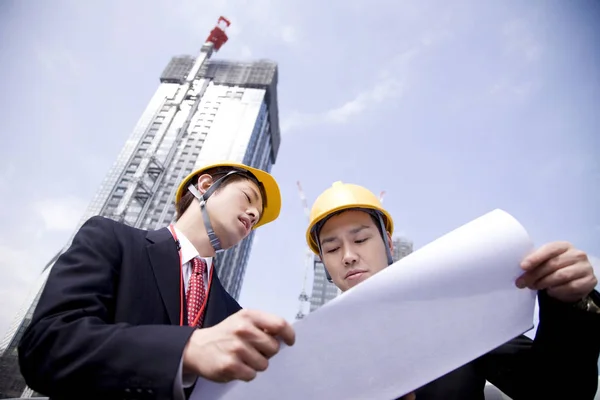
x: 204, y: 182
x: 390, y: 241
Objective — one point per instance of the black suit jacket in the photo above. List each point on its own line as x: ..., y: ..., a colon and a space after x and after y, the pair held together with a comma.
x: 107, y: 322
x: 560, y: 363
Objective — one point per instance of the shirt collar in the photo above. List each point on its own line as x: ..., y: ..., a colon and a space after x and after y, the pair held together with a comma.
x: 188, y: 251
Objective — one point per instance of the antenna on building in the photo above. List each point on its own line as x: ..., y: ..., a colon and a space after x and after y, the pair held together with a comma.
x: 309, y: 259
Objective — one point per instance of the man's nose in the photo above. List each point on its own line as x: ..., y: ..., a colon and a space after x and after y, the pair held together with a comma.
x: 252, y: 214
x: 350, y: 256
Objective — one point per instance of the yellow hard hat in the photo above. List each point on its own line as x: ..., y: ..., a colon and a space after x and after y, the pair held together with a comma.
x: 271, y: 202
x: 343, y: 196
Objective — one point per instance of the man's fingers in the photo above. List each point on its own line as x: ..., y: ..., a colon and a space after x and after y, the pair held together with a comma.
x: 560, y: 277
x: 543, y: 254
x: 529, y: 278
x: 244, y: 353
x: 254, y: 359
x: 574, y: 290
x: 231, y: 366
x: 275, y: 326
x: 259, y: 339
x: 287, y: 334
x: 266, y: 344
x: 244, y: 372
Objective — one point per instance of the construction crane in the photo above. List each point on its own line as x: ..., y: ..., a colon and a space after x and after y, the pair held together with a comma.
x: 381, y: 196
x: 309, y: 259
x: 217, y: 36
x: 143, y: 186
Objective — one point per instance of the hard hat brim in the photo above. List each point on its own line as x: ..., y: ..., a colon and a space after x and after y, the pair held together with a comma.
x: 310, y: 239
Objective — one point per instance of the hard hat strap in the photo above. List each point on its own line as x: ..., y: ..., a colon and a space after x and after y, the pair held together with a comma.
x: 212, y: 237
x: 388, y: 249
x: 215, y: 185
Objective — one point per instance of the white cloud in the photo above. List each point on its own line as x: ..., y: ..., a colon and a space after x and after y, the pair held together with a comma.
x: 61, y: 214
x: 520, y: 40
x: 56, y: 58
x: 390, y: 85
x: 28, y: 244
x: 521, y: 91
x: 17, y: 276
x: 383, y: 90
x: 571, y: 164
x: 431, y: 38
x: 289, y: 34
x: 6, y: 174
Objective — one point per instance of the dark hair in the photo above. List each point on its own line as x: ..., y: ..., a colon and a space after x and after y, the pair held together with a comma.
x: 216, y: 173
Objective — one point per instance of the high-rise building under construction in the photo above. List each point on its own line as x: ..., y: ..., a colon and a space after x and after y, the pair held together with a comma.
x: 203, y: 110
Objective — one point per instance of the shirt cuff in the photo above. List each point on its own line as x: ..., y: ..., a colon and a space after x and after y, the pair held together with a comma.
x: 182, y: 381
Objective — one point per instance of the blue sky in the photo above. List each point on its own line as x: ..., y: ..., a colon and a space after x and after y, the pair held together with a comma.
x: 452, y: 109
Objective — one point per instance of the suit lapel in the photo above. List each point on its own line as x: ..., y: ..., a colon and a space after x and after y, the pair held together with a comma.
x: 164, y: 258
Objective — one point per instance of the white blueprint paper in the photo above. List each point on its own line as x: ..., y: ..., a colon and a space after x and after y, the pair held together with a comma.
x: 427, y: 314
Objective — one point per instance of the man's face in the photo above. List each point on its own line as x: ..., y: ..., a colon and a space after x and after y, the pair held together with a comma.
x: 352, y: 248
x: 233, y: 209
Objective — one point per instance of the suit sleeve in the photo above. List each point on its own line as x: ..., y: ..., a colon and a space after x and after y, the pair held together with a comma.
x: 72, y: 341
x: 561, y: 362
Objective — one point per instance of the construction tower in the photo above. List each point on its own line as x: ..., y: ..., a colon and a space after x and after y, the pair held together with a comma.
x: 308, y: 260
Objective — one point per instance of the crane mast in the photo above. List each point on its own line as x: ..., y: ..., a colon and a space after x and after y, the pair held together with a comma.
x: 142, y: 187
x: 308, y: 260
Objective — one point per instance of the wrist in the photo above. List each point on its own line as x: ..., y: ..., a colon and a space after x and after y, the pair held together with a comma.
x: 192, y: 351
x: 187, y: 357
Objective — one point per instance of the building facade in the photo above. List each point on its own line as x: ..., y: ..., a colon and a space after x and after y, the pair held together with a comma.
x: 202, y: 111
x: 323, y: 291
x: 402, y: 248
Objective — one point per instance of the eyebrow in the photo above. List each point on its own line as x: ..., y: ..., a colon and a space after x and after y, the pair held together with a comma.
x: 353, y: 231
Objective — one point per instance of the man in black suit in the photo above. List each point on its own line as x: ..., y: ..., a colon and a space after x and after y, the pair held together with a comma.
x: 119, y: 316
x: 352, y: 233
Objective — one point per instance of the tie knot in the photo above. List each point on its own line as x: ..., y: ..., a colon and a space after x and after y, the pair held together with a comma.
x: 198, y: 265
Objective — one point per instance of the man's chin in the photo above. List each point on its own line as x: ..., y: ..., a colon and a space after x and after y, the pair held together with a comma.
x: 232, y: 239
x: 355, y: 280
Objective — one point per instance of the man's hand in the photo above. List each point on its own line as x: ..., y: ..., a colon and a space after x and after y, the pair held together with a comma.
x: 564, y: 271
x: 237, y: 348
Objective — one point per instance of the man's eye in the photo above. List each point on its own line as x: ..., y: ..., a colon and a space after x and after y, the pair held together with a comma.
x: 361, y: 240
x: 332, y: 250
x: 247, y: 197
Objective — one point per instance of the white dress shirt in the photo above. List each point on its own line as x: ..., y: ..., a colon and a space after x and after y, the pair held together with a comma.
x: 188, y: 252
